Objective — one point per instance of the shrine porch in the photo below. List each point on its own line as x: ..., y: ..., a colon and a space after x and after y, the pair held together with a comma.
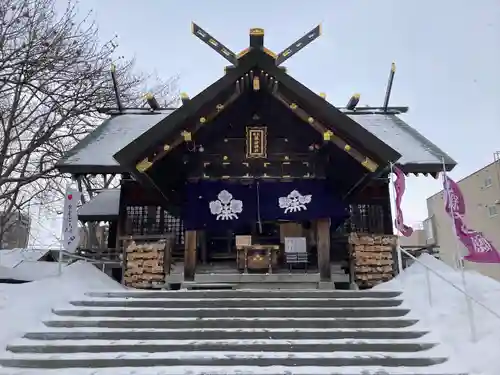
x: 226, y: 273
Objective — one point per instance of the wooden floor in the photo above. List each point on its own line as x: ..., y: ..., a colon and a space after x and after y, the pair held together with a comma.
x: 226, y: 272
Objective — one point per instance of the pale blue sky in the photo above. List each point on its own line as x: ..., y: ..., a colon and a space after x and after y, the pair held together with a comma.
x: 447, y: 54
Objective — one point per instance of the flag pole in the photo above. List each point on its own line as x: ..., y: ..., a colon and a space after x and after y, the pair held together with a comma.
x: 458, y: 258
x: 398, y: 248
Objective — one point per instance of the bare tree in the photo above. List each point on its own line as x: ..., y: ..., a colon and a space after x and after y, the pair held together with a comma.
x: 54, y: 73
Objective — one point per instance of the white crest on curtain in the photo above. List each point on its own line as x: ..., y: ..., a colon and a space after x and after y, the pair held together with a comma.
x: 225, y: 207
x: 294, y: 202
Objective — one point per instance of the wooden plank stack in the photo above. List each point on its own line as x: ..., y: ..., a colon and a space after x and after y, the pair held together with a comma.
x: 145, y: 264
x: 372, y: 258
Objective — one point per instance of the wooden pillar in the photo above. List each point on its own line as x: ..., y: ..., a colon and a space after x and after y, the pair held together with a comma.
x: 202, y: 243
x: 112, y: 234
x: 189, y: 254
x: 323, y: 231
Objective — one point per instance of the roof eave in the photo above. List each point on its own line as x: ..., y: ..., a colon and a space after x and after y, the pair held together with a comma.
x: 427, y: 168
x: 81, y: 169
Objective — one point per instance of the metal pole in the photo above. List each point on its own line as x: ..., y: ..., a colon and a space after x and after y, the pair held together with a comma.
x: 459, y: 259
x: 429, y: 289
x: 60, y: 258
x: 398, y: 248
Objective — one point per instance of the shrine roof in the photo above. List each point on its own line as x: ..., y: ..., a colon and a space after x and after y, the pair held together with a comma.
x: 94, y: 154
x: 418, y: 154
x: 257, y: 60
x: 103, y: 207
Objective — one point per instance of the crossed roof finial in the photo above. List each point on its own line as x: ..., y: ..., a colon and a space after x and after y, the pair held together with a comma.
x: 256, y: 41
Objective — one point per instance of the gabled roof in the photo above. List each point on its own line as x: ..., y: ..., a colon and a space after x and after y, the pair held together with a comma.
x: 257, y: 59
x: 94, y: 154
x: 105, y: 206
x: 129, y: 135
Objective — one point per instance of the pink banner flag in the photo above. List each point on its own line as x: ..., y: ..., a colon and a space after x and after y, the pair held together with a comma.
x: 480, y: 249
x: 454, y: 202
x: 400, y: 187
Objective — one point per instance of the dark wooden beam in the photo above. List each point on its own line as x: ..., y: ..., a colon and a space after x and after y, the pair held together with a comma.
x: 213, y: 43
x: 190, y: 244
x: 186, y: 135
x: 295, y: 47
x: 328, y: 135
x: 323, y: 232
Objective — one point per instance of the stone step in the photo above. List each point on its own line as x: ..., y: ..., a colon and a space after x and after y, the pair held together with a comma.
x: 237, y: 302
x: 221, y: 323
x: 231, y: 370
x: 235, y: 312
x: 107, y: 360
x: 247, y: 294
x: 299, y: 346
x: 224, y: 334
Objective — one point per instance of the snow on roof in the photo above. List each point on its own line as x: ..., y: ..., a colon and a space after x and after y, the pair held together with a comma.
x: 98, y: 148
x: 413, y: 147
x: 13, y: 257
x: 106, y: 205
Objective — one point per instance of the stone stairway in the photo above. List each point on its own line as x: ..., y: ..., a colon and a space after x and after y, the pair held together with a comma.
x: 229, y: 332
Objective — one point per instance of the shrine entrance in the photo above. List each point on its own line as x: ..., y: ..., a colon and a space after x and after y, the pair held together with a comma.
x: 260, y: 226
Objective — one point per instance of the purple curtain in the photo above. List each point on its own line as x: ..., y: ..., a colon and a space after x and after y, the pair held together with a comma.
x: 225, y: 205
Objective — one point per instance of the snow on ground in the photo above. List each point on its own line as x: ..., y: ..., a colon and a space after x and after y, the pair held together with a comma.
x: 23, y: 306
x: 445, y: 312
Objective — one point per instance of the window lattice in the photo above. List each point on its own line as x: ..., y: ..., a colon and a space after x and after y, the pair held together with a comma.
x: 143, y: 220
x: 365, y: 218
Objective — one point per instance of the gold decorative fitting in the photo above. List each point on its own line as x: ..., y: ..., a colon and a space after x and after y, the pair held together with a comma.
x: 293, y: 106
x: 393, y: 67
x: 270, y: 53
x: 166, y: 147
x: 266, y: 164
x: 143, y: 165
x: 148, y: 96
x: 113, y: 68
x: 186, y: 135
x: 225, y: 157
x: 243, y: 53
x: 322, y: 95
x: 310, y: 120
x: 256, y: 84
x: 356, y: 96
x: 327, y: 136
x: 203, y: 120
x: 184, y: 95
x: 287, y: 158
x: 347, y: 148
x: 257, y: 31
x: 219, y: 107
x: 370, y: 165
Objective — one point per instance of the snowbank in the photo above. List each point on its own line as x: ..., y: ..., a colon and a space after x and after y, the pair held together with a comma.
x: 23, y: 306
x: 446, y: 312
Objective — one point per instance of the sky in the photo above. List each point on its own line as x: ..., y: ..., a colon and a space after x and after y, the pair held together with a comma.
x: 447, y: 54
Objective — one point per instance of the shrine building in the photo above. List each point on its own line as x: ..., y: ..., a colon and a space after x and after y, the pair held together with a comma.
x: 255, y: 176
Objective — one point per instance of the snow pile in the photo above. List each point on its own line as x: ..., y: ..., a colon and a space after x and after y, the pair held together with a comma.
x: 446, y: 312
x: 23, y: 306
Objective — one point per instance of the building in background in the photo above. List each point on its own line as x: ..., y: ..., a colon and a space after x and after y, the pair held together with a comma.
x: 481, y: 192
x: 14, y: 230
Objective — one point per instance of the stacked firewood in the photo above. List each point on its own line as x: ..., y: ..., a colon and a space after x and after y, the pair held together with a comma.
x: 145, y: 264
x: 372, y: 260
